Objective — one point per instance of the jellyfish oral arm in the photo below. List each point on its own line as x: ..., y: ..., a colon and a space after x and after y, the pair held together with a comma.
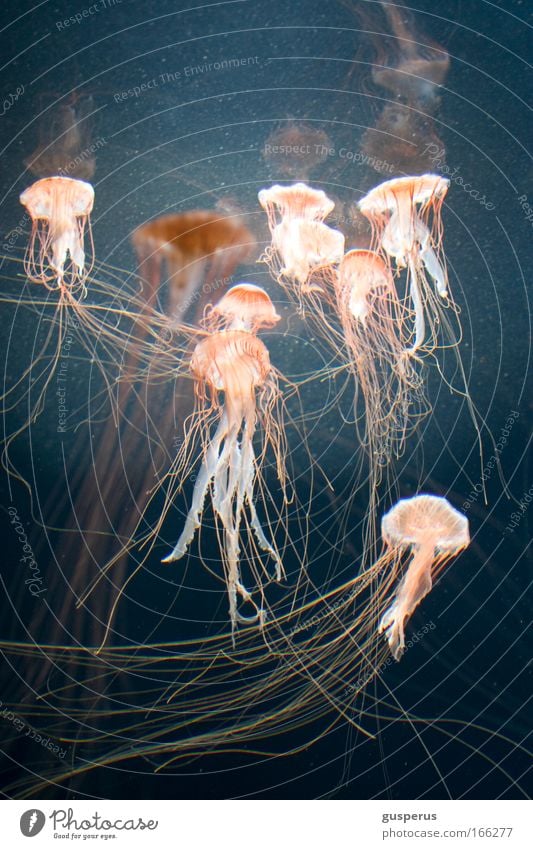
x: 68, y: 243
x: 415, y: 585
x: 231, y: 470
x: 416, y: 296
x: 206, y: 475
x: 434, y: 269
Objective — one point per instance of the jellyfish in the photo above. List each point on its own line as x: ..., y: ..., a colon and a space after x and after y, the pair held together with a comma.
x: 429, y: 531
x: 200, y: 250
x: 285, y: 203
x: 65, y: 143
x: 301, y: 248
x: 60, y: 210
x: 400, y: 211
x: 411, y: 68
x: 403, y: 140
x: 357, y: 309
x: 301, y: 242
x: 372, y: 318
x: 237, y: 364
x: 420, y: 66
x: 243, y: 307
x: 296, y: 148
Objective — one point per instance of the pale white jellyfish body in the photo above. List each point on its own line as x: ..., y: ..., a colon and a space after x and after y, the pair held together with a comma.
x: 234, y: 363
x: 400, y: 211
x: 301, y: 242
x: 431, y: 532
x: 304, y: 247
x: 372, y: 322
x: 284, y: 203
x: 60, y: 209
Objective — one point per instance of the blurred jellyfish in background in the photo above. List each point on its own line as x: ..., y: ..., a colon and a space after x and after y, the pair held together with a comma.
x: 295, y: 149
x: 66, y: 144
x: 410, y: 68
x: 243, y: 307
x: 198, y: 250
x: 426, y: 531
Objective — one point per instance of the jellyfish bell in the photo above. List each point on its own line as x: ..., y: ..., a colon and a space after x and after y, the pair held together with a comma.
x: 285, y: 203
x: 243, y: 307
x: 393, y: 206
x: 230, y: 368
x: 405, y: 214
x: 363, y: 275
x: 403, y: 140
x: 60, y: 209
x: 420, y: 66
x: 433, y: 532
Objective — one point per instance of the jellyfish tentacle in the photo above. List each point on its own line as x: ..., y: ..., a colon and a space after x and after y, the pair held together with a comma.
x: 247, y: 487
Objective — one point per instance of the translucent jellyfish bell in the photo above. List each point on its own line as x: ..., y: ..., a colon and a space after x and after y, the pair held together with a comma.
x: 284, y: 203
x: 304, y: 247
x: 243, y: 307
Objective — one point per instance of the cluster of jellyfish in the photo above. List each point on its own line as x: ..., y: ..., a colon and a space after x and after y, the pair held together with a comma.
x: 380, y: 308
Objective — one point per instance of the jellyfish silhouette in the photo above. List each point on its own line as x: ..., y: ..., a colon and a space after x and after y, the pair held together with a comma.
x: 200, y: 249
x: 405, y: 214
x: 65, y: 141
x: 411, y: 68
x: 429, y: 531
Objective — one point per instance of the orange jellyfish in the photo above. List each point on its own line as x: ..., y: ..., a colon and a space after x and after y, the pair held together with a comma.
x: 429, y: 531
x: 405, y: 214
x: 235, y: 382
x: 243, y: 307
x: 301, y: 242
x: 294, y: 202
x: 372, y: 320
x: 200, y: 250
x: 60, y: 209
